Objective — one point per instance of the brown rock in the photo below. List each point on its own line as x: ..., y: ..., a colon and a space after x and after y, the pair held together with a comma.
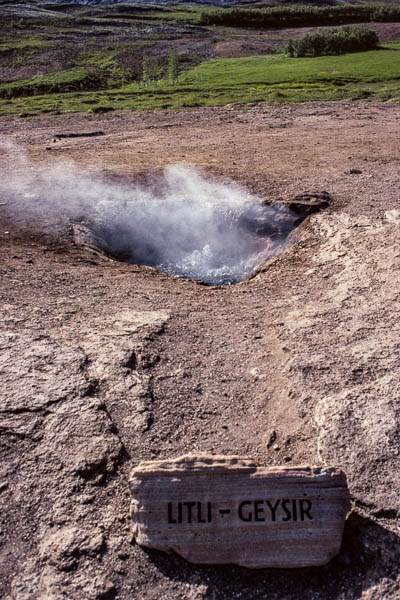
x: 304, y: 204
x: 225, y: 509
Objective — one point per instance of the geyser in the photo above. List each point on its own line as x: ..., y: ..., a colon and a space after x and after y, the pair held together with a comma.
x: 217, y: 238
x: 184, y: 223
x: 193, y: 227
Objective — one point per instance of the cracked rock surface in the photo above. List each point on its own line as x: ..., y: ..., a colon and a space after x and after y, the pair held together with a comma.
x: 103, y: 364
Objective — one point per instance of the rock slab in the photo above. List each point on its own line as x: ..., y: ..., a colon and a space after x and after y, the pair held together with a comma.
x: 226, y: 509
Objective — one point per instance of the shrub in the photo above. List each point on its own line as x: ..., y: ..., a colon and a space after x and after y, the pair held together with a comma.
x: 299, y: 16
x: 333, y: 41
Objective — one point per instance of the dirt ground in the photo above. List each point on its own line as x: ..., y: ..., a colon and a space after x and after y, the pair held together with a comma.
x: 106, y: 364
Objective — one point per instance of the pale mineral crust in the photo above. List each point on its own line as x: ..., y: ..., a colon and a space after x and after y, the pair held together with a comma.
x: 226, y: 509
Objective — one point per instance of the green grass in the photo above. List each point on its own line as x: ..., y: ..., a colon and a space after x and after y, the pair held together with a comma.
x: 24, y: 44
x: 273, y: 79
x: 365, y: 67
x: 184, y: 15
x: 68, y: 80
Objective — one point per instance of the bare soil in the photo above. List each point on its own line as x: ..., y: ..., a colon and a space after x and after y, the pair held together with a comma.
x: 105, y: 364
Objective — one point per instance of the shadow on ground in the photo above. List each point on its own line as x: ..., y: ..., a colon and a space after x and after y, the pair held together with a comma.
x: 370, y: 554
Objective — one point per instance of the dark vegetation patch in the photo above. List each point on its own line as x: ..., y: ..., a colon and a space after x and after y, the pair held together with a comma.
x: 300, y: 16
x: 334, y: 41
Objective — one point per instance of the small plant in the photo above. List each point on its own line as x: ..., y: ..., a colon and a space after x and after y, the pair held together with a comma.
x: 173, y: 66
x: 150, y: 70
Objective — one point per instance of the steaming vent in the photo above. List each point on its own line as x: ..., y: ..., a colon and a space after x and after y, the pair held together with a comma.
x: 208, y: 240
x: 194, y: 228
x: 184, y: 223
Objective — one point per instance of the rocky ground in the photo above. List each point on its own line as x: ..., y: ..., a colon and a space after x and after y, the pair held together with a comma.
x: 105, y: 364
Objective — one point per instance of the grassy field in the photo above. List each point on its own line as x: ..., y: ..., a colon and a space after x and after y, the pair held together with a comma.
x: 363, y: 67
x: 374, y: 74
x: 91, y: 58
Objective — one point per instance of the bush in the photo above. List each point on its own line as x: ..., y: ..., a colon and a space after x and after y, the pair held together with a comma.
x: 333, y: 41
x: 299, y: 16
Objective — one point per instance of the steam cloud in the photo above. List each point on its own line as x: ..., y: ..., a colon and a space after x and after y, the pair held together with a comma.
x: 186, y: 224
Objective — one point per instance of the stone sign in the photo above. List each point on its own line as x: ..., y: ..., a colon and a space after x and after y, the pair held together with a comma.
x: 226, y: 509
